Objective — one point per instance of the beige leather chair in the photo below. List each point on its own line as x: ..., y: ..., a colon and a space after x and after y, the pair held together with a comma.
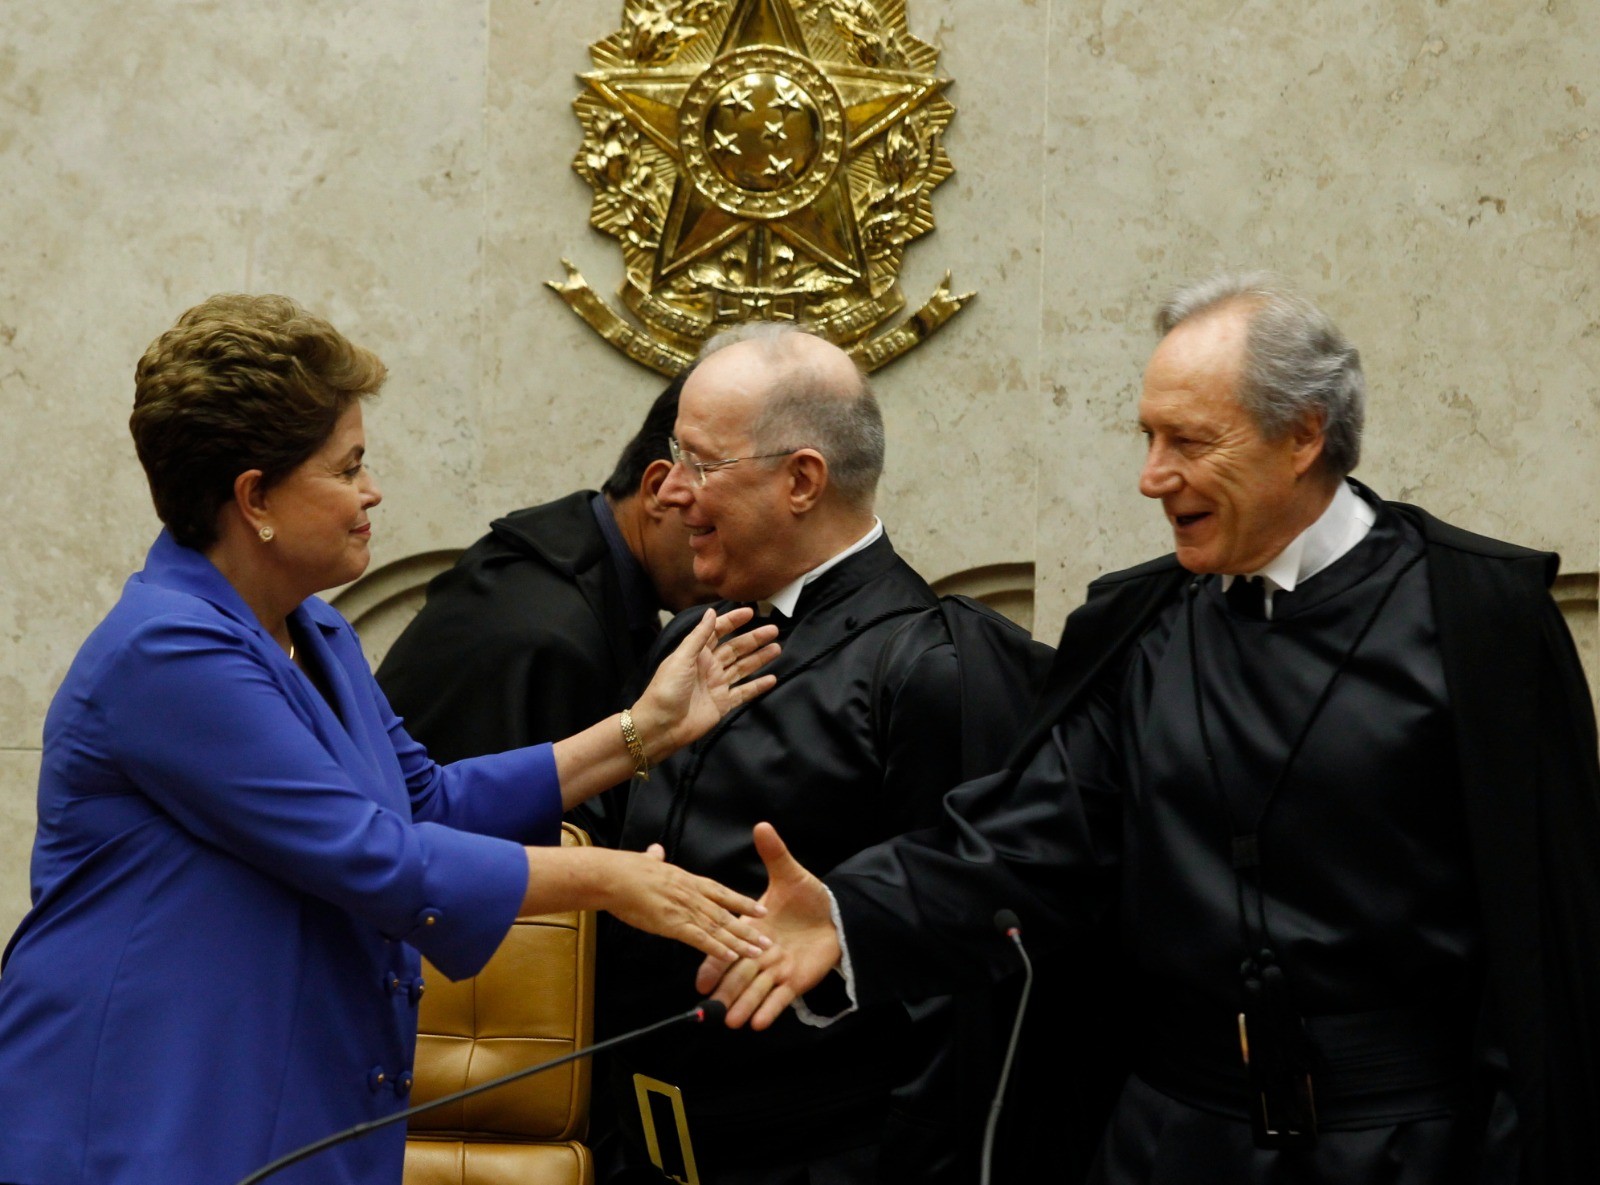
x: 532, y: 1002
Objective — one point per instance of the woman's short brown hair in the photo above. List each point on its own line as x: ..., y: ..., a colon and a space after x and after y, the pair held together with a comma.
x: 239, y: 383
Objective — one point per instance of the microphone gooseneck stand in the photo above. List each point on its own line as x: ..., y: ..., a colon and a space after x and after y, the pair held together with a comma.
x: 706, y: 1010
x: 1009, y: 925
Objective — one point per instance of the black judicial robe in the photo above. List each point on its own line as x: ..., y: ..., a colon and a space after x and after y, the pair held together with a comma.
x: 524, y: 640
x: 1521, y: 729
x: 873, y: 719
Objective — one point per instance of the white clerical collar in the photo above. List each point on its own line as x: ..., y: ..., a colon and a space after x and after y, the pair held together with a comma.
x: 1333, y: 536
x: 787, y: 597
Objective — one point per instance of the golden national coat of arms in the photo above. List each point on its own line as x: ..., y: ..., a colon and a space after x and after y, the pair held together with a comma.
x: 762, y: 159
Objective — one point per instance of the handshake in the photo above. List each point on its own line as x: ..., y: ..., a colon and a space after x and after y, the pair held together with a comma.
x: 802, y: 943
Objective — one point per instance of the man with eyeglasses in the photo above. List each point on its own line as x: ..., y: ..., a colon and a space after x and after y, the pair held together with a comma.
x: 777, y: 452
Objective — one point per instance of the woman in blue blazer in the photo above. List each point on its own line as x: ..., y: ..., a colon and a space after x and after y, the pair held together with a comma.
x: 240, y: 852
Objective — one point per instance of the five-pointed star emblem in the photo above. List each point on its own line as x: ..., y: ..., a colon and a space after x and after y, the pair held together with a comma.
x: 788, y: 97
x: 871, y: 100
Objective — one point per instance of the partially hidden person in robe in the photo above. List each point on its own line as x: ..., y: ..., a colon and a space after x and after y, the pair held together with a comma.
x: 541, y: 626
x: 885, y: 697
x: 1329, y: 769
x: 241, y: 856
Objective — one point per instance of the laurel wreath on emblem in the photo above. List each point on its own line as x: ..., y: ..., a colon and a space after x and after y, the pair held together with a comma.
x: 762, y: 159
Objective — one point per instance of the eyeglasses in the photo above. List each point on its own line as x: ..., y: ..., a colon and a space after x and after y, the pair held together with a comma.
x: 682, y: 456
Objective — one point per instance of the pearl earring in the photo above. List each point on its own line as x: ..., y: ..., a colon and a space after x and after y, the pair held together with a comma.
x: 266, y: 534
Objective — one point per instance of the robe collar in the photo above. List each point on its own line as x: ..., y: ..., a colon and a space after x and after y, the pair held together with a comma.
x: 787, y: 598
x: 1342, y: 524
x: 639, y: 604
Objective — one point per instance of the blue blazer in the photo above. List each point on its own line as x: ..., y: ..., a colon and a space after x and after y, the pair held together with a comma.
x: 231, y: 881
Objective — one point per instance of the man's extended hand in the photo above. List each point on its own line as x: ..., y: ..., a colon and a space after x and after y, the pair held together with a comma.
x: 805, y: 944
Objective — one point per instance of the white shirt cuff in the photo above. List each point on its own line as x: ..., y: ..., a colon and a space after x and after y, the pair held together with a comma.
x: 801, y: 1010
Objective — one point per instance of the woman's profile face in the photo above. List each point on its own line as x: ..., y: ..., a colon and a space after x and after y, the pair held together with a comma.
x: 319, y: 512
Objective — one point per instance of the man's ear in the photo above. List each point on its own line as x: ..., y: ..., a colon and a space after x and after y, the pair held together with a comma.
x: 1309, y: 440
x: 650, y: 484
x: 808, y: 479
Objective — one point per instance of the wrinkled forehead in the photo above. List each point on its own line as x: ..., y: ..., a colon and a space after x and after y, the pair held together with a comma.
x: 1195, y: 371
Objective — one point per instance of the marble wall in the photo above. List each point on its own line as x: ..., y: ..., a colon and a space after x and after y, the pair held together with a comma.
x: 1426, y: 168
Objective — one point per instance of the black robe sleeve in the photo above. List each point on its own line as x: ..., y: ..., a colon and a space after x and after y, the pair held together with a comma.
x: 1038, y: 837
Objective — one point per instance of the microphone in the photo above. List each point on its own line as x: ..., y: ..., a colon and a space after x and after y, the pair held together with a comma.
x: 705, y: 1012
x: 1009, y: 925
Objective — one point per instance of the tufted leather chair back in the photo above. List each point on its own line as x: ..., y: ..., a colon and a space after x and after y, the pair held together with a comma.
x: 532, y: 1002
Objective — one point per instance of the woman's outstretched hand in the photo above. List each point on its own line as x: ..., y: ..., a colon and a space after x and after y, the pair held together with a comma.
x: 643, y: 890
x: 704, y: 679
x: 804, y: 943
